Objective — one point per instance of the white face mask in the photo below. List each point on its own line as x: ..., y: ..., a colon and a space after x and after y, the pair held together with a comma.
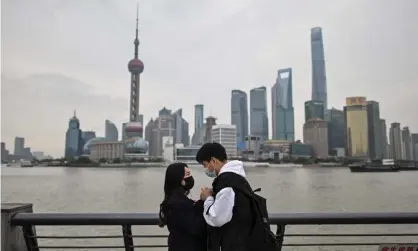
x: 209, y: 173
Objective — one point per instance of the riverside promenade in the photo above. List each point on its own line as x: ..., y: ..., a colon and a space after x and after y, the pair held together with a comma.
x: 19, y: 224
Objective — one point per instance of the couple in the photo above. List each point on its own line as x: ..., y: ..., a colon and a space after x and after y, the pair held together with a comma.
x: 228, y: 216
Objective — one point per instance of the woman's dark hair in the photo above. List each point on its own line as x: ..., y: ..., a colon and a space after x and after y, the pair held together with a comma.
x: 172, y: 186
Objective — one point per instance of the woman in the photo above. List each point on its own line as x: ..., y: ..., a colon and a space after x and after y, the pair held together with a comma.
x: 183, y: 216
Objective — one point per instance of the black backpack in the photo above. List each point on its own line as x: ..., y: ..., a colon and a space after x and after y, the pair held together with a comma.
x: 260, y: 238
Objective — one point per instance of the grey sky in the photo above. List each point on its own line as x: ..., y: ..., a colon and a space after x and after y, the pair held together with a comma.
x: 58, y: 56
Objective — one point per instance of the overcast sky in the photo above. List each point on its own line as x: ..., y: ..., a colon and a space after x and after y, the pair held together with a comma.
x: 60, y: 56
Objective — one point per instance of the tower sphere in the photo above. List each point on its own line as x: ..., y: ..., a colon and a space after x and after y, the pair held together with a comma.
x: 136, y: 66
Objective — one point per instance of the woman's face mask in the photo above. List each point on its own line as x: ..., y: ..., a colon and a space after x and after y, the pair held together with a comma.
x: 188, y: 183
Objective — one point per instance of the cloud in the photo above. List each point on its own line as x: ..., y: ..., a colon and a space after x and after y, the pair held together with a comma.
x: 198, y: 51
x: 38, y: 108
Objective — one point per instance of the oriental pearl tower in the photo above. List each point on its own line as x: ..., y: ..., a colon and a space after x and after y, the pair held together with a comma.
x: 134, y: 128
x: 136, y: 67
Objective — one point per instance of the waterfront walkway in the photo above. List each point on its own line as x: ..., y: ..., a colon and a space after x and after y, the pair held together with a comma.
x: 19, y: 233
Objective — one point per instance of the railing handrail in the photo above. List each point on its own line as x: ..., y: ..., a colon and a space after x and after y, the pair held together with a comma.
x: 98, y: 219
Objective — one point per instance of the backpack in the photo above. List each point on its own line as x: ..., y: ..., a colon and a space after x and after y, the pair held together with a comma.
x: 260, y: 237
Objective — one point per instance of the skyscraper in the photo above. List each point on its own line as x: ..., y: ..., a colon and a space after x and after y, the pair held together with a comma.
x: 336, y: 129
x: 135, y: 67
x: 414, y: 137
x: 259, y: 125
x: 357, y: 127
x: 111, y: 132
x: 396, y: 140
x: 19, y: 145
x: 239, y: 114
x: 73, y: 138
x: 87, y: 135
x: 315, y: 133
x: 407, y: 153
x: 198, y: 117
x: 374, y: 129
x: 319, y: 80
x: 283, y: 119
x: 384, y: 136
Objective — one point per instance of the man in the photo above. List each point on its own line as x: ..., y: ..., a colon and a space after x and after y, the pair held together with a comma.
x: 227, y: 209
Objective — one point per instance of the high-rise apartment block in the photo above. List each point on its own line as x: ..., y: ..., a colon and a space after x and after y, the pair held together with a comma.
x: 226, y: 136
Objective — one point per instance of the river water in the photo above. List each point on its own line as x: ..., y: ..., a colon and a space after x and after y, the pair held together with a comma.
x: 91, y: 190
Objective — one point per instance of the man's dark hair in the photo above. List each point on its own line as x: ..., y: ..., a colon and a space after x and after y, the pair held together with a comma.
x: 211, y: 150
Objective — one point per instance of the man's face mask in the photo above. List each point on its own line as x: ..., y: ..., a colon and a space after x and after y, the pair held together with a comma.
x: 210, y: 169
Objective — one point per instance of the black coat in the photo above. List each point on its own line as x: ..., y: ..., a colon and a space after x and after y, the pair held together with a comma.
x: 186, y: 224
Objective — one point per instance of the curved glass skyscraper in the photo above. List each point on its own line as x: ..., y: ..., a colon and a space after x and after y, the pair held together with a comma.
x: 111, y: 132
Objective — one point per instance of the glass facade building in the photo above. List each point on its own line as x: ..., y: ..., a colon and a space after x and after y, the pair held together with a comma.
x: 239, y: 113
x: 73, y: 139
x: 258, y: 113
x: 111, y: 132
x: 314, y: 109
x: 283, y: 119
x: 319, y: 80
x: 336, y: 128
x: 374, y: 129
x: 357, y: 129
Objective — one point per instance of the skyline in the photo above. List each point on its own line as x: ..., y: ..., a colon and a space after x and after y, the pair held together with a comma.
x: 186, y: 54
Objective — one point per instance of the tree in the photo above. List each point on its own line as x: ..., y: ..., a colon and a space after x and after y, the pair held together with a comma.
x: 84, y: 160
x: 102, y: 160
x: 117, y: 160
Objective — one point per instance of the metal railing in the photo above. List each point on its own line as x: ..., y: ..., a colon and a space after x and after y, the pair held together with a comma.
x: 28, y: 221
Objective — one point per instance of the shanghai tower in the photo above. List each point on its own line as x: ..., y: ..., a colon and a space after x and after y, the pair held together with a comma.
x: 319, y: 79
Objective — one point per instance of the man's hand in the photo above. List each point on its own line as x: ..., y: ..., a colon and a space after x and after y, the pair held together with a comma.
x: 205, y: 192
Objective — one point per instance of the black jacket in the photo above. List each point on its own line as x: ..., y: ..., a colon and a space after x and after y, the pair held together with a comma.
x: 233, y: 235
x: 186, y: 224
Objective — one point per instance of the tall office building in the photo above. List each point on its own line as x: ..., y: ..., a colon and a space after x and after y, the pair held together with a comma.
x: 374, y: 129
x: 87, y: 135
x: 336, y: 129
x: 239, y: 114
x: 161, y: 127
x: 357, y: 134
x: 408, y: 153
x: 111, y: 131
x: 395, y: 136
x: 73, y: 138
x: 198, y: 117
x: 259, y: 125
x: 314, y: 109
x: 19, y: 145
x: 181, y: 127
x: 414, y: 137
x: 4, y: 152
x: 319, y: 79
x: 384, y: 137
x: 210, y: 123
x: 283, y: 120
x: 315, y: 133
x: 199, y: 130
x: 226, y: 136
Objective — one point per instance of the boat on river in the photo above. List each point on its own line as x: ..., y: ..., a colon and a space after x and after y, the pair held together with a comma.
x: 385, y: 165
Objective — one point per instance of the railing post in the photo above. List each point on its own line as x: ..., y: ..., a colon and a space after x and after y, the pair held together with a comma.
x: 280, y: 235
x: 127, y: 237
x: 12, y: 237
